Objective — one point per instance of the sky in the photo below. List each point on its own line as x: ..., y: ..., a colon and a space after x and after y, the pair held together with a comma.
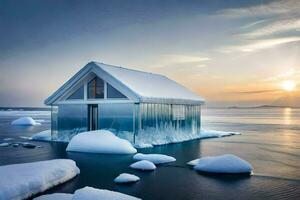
x: 232, y: 53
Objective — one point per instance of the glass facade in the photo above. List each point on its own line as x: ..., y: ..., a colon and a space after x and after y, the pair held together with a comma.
x: 138, y: 123
x: 113, y: 93
x: 96, y: 88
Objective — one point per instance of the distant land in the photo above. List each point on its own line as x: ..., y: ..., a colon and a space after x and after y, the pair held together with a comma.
x: 262, y: 106
x: 25, y: 108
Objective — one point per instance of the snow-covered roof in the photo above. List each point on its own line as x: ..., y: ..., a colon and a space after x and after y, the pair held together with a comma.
x: 145, y: 86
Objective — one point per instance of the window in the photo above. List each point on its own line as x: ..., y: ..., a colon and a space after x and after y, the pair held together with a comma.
x: 178, y: 112
x: 96, y: 88
x: 78, y: 94
x: 114, y: 93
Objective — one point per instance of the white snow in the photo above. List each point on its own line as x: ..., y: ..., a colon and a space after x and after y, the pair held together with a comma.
x: 20, y: 181
x: 143, y: 165
x: 89, y: 193
x: 55, y: 196
x: 4, y: 144
x: 155, y: 158
x: 170, y: 135
x: 25, y: 121
x: 43, y: 136
x: 138, y: 82
x: 226, y: 163
x: 126, y: 178
x: 193, y: 162
x: 100, y: 141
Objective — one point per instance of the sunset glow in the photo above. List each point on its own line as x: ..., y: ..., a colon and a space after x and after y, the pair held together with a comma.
x: 288, y: 85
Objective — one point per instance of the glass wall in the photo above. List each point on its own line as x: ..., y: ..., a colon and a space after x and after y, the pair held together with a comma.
x: 71, y: 120
x: 118, y: 118
x: 96, y: 88
x: 161, y: 123
x: 54, y: 122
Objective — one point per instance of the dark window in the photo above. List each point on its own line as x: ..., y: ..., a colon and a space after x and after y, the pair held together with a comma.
x: 96, y: 89
x: 78, y: 94
x: 114, y: 93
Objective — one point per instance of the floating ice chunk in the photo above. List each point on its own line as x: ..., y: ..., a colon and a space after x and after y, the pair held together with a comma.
x: 89, y: 193
x: 55, y: 196
x: 28, y: 145
x: 155, y: 158
x: 42, y: 136
x: 227, y: 163
x: 4, y: 144
x: 25, y: 137
x: 100, y: 141
x: 214, y: 133
x: 8, y: 139
x: 143, y: 165
x: 193, y: 162
x: 21, y: 181
x: 126, y: 178
x: 25, y: 121
x: 143, y: 145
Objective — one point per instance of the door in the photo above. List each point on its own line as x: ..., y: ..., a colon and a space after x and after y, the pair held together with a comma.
x: 93, y: 117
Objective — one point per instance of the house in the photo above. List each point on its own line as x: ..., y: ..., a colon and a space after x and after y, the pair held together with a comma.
x: 135, y: 105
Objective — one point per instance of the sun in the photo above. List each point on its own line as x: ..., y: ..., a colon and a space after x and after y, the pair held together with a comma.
x: 288, y: 85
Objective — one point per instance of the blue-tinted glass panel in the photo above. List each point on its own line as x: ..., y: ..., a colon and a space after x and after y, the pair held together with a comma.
x: 114, y: 93
x: 96, y: 88
x: 78, y: 94
x: 117, y: 118
x: 72, y: 119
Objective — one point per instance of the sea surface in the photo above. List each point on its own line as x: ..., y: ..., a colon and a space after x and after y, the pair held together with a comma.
x: 270, y: 141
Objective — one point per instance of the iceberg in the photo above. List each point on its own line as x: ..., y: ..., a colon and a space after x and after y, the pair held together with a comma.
x: 25, y: 121
x: 227, y: 163
x: 88, y: 193
x: 126, y: 178
x: 55, y: 196
x: 155, y: 158
x: 21, y: 181
x: 144, y: 165
x: 42, y: 136
x: 100, y: 141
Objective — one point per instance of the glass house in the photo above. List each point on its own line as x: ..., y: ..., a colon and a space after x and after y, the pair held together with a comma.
x: 138, y: 106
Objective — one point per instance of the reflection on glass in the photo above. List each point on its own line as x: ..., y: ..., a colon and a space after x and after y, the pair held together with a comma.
x: 96, y: 88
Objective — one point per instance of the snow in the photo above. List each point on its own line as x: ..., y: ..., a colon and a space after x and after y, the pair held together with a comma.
x: 20, y: 181
x: 143, y: 145
x: 25, y: 121
x: 88, y: 193
x: 143, y: 165
x: 155, y: 158
x: 100, y: 141
x: 4, y: 144
x: 170, y: 135
x: 55, y: 196
x: 138, y: 82
x: 126, y: 178
x: 8, y: 139
x: 43, y: 136
x: 227, y: 163
x: 193, y: 162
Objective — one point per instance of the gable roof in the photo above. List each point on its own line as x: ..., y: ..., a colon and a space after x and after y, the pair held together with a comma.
x: 141, y: 86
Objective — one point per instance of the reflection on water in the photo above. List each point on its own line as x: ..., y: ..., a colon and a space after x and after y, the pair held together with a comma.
x: 269, y: 141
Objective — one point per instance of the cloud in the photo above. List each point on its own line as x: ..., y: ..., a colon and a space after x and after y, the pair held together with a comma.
x: 259, y: 44
x: 256, y: 91
x: 282, y: 7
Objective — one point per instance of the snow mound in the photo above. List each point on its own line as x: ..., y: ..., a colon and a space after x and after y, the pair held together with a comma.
x: 126, y: 178
x: 25, y: 121
x: 4, y: 144
x: 42, y: 136
x: 100, y: 141
x: 55, y: 196
x: 227, y: 163
x: 143, y: 165
x: 20, y: 181
x: 89, y: 193
x: 193, y: 162
x: 155, y: 158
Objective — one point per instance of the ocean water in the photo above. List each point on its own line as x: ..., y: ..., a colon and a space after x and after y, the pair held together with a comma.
x: 270, y: 141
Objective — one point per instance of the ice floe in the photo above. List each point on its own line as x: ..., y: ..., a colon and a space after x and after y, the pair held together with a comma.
x: 42, y: 136
x: 227, y: 163
x: 144, y: 165
x: 155, y: 158
x: 8, y: 139
x: 88, y: 193
x: 126, y: 178
x: 100, y: 141
x: 20, y: 181
x: 4, y: 144
x: 25, y: 121
x: 55, y: 196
